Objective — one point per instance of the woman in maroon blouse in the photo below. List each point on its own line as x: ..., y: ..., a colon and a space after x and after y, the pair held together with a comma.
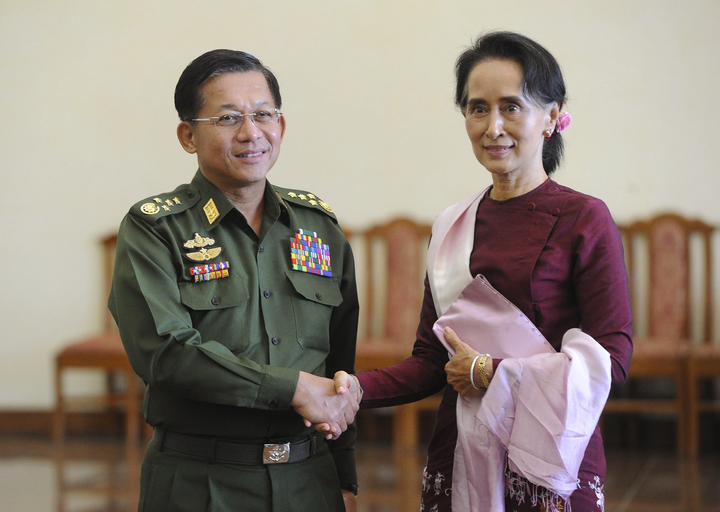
x: 553, y: 252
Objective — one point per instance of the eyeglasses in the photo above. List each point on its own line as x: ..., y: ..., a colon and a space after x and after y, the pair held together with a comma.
x: 235, y: 119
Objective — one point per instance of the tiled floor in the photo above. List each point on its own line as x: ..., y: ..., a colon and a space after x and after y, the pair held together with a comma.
x: 100, y: 475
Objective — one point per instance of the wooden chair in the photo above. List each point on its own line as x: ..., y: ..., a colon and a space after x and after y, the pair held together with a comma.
x: 391, y: 269
x: 390, y: 260
x: 665, y: 289
x: 103, y: 351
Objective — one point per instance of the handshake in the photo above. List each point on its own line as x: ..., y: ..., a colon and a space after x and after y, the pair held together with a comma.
x: 330, y: 405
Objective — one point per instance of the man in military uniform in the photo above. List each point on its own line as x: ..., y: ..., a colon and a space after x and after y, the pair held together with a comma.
x: 236, y: 300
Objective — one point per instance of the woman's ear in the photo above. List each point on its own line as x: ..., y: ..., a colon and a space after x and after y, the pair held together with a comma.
x: 553, y: 116
x: 186, y: 136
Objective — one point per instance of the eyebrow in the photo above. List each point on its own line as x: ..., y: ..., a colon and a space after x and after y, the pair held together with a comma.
x: 232, y: 106
x: 504, y: 99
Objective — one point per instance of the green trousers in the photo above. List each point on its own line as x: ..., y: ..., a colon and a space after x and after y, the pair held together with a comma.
x: 175, y: 482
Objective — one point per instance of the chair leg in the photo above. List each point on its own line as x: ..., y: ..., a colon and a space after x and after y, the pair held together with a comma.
x: 58, y: 422
x: 683, y: 413
x: 405, y: 442
x: 693, y: 413
x: 132, y: 409
x: 405, y: 427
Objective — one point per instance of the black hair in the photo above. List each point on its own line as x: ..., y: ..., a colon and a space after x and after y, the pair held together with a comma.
x: 542, y: 79
x: 188, y: 91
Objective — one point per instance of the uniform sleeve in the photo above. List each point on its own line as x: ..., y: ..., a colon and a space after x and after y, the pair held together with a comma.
x: 162, y: 345
x: 343, y: 337
x: 601, y: 285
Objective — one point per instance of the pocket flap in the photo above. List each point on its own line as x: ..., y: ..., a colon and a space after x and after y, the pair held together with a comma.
x: 323, y: 290
x: 216, y: 294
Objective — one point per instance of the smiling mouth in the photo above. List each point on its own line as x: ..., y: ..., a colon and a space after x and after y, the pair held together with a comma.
x: 251, y: 154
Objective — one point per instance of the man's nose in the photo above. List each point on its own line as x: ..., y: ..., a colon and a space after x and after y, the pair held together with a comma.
x: 248, y: 130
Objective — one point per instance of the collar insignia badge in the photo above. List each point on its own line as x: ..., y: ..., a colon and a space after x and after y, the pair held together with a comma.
x: 211, y: 211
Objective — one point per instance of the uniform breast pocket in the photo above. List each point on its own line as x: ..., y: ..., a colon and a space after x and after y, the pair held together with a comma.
x: 313, y: 304
x: 214, y: 295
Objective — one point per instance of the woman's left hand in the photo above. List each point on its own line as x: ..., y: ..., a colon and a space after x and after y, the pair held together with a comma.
x: 458, y: 368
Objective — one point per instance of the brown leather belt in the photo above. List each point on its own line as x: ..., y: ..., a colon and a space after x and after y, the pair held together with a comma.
x: 237, y: 453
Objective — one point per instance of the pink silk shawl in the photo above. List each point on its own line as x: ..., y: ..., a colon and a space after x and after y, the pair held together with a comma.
x: 541, y: 407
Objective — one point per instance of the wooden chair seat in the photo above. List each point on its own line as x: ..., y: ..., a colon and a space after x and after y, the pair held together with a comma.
x: 657, y: 351
x: 379, y: 353
x: 705, y: 355
x: 106, y: 349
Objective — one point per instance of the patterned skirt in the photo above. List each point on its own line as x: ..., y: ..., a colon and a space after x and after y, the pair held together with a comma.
x: 520, y: 495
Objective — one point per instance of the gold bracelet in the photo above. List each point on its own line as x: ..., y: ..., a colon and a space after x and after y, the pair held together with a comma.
x: 483, y: 373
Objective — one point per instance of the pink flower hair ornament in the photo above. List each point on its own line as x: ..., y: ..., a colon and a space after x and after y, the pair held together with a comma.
x: 563, y: 121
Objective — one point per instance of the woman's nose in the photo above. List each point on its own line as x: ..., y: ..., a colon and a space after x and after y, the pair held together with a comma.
x: 495, y: 126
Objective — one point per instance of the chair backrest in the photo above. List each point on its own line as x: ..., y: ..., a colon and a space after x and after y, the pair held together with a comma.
x: 390, y: 260
x: 109, y: 244
x: 677, y: 261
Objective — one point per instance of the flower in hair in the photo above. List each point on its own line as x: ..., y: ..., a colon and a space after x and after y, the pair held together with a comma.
x: 563, y: 122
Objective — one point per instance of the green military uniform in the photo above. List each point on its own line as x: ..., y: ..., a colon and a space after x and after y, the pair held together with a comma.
x: 218, y: 321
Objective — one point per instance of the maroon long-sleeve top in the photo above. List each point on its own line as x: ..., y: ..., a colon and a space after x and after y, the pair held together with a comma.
x: 557, y: 255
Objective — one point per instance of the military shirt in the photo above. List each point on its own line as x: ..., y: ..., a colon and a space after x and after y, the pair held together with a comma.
x: 218, y: 320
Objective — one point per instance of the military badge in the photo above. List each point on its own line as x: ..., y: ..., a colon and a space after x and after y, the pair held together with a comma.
x: 326, y: 206
x: 150, y: 208
x: 200, y: 242
x: 309, y: 254
x: 210, y: 271
x: 204, y: 254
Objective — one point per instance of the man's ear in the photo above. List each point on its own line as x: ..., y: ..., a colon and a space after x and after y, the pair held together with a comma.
x: 186, y: 136
x: 282, y: 127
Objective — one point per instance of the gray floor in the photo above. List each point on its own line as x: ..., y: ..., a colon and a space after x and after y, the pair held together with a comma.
x: 100, y: 475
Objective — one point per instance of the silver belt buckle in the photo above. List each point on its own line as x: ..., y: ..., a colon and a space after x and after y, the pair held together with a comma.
x: 276, y: 453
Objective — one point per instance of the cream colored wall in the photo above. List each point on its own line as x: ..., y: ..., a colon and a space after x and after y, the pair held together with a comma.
x: 88, y: 124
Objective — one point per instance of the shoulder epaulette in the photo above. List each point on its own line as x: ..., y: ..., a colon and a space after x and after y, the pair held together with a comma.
x: 162, y: 205
x: 304, y: 198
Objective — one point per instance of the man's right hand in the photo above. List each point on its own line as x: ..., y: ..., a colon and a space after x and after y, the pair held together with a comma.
x: 318, y: 402
x: 345, y: 384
